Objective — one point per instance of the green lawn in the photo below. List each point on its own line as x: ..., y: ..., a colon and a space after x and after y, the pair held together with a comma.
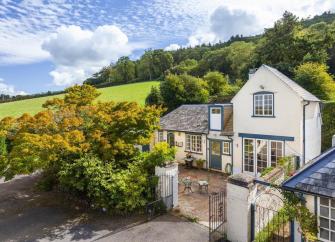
x: 129, y: 92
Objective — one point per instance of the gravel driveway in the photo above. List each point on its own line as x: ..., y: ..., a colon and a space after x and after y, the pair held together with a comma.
x: 30, y: 215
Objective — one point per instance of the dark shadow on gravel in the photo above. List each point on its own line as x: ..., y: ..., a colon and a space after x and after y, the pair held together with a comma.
x: 27, y: 214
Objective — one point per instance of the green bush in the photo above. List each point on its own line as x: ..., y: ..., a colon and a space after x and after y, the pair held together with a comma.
x: 105, y: 187
x: 328, y: 127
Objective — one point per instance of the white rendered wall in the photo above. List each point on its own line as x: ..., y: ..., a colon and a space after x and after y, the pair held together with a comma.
x: 238, y: 213
x: 180, y: 139
x: 288, y: 113
x: 313, y: 131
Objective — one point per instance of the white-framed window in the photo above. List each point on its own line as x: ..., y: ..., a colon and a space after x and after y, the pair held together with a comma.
x: 276, y: 152
x: 226, y: 147
x: 259, y: 154
x: 263, y: 104
x: 193, y: 143
x: 160, y: 136
x: 326, y: 219
x: 248, y: 151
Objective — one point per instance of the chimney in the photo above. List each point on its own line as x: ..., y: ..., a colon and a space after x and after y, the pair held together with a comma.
x: 252, y: 72
x: 333, y: 141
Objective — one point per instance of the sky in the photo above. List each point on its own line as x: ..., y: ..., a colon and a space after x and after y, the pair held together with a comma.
x: 50, y: 45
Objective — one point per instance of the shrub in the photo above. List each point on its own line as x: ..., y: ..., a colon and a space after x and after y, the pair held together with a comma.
x: 115, y: 190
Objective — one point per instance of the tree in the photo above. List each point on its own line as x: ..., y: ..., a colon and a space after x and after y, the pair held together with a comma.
x: 154, y: 63
x: 154, y: 97
x: 279, y: 46
x: 125, y: 69
x: 185, y: 67
x: 216, y: 82
x: 314, y: 77
x: 240, y: 55
x: 183, y: 89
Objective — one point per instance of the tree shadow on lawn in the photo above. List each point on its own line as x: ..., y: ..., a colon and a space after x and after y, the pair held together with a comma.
x: 27, y: 214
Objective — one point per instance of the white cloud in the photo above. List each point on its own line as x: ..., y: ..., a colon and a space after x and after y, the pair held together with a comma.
x: 172, y: 47
x: 230, y: 17
x: 78, y: 53
x: 9, y: 89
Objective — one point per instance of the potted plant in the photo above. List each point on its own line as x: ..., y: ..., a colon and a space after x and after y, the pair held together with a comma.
x: 200, y: 163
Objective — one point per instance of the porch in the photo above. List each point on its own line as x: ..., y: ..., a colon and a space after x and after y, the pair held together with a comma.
x: 194, y: 202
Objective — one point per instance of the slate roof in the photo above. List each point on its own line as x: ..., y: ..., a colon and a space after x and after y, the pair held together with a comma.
x: 304, y: 94
x: 194, y: 118
x: 317, y: 177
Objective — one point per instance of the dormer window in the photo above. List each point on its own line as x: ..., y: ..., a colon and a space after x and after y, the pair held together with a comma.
x: 215, y: 118
x: 263, y: 104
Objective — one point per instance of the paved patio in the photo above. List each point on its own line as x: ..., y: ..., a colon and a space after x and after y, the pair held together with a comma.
x: 195, y: 204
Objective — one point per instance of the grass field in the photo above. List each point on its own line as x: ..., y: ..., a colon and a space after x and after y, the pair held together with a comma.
x: 130, y: 92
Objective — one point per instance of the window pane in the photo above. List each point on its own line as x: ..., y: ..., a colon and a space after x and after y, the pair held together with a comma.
x: 262, y: 154
x: 333, y: 203
x: 332, y: 236
x: 324, y: 212
x: 324, y: 223
x: 216, y: 110
x: 249, y: 155
x: 333, y: 213
x: 332, y: 225
x: 324, y: 234
x: 324, y: 201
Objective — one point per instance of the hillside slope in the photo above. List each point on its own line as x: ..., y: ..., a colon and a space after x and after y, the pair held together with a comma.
x: 130, y: 92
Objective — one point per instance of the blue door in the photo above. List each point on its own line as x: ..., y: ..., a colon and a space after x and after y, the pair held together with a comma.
x: 215, y: 154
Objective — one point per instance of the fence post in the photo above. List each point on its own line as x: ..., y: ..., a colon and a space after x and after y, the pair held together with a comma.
x: 252, y: 222
x: 292, y: 231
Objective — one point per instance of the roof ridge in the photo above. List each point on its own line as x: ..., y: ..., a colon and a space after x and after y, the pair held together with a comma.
x: 282, y: 77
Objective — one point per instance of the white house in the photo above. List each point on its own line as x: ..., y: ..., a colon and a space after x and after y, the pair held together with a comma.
x: 270, y: 117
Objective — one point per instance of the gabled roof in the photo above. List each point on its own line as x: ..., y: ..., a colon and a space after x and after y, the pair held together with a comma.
x: 303, y: 93
x: 194, y: 118
x: 187, y: 118
x: 317, y: 177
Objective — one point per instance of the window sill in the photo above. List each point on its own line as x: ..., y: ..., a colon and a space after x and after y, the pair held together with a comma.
x: 193, y: 152
x: 255, y: 116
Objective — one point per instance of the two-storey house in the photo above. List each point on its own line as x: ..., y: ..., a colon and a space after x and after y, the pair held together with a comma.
x: 270, y: 117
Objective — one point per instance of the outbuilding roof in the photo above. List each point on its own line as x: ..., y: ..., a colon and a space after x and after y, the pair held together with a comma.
x: 303, y: 93
x: 317, y: 177
x: 194, y: 118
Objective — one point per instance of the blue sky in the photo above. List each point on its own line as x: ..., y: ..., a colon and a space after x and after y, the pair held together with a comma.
x: 49, y: 45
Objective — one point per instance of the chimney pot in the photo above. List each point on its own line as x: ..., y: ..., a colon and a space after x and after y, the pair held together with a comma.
x: 333, y: 141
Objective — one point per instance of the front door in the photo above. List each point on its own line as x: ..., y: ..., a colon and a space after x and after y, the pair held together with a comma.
x: 170, y: 139
x: 215, y: 154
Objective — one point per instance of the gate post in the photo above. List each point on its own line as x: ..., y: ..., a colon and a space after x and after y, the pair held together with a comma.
x: 252, y: 222
x: 239, y: 197
x: 170, y: 171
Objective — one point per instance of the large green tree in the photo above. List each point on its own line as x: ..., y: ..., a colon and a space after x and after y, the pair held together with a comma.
x: 216, y: 82
x: 183, y: 89
x: 315, y: 78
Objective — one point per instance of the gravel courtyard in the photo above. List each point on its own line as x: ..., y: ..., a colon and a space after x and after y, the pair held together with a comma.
x: 30, y: 215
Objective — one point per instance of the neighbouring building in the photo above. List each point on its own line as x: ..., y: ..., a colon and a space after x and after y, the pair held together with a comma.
x: 270, y: 117
x: 316, y: 181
